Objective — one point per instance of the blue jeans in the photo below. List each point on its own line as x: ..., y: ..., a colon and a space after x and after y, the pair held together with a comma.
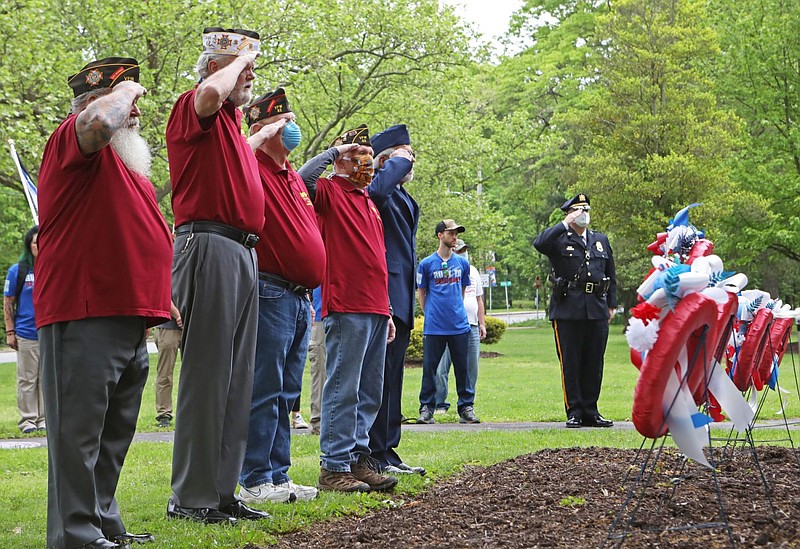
x: 433, y: 347
x: 284, y: 327
x: 443, y: 371
x: 351, y: 397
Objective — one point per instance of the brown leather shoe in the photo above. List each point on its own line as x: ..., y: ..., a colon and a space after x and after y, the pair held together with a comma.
x: 340, y: 482
x: 376, y: 481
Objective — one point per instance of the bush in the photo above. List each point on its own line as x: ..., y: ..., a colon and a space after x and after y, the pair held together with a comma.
x: 414, y: 351
x: 495, y: 328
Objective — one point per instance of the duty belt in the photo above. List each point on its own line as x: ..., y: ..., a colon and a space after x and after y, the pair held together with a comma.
x: 248, y: 240
x: 283, y: 283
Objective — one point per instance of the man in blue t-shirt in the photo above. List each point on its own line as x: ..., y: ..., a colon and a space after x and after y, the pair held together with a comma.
x: 442, y: 278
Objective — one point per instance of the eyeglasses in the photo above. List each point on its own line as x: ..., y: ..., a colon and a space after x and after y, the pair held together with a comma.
x: 359, y: 161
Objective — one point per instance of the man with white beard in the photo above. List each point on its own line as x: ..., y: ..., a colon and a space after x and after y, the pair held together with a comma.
x: 218, y: 202
x: 102, y: 278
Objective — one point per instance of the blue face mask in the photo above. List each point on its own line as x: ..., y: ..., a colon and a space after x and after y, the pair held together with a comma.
x: 291, y: 136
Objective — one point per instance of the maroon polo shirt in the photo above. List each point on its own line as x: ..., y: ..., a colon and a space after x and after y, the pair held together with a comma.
x: 356, y: 280
x: 290, y: 244
x: 212, y: 168
x: 104, y: 247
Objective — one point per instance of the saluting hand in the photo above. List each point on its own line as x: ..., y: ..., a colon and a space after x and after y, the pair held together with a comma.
x: 129, y: 85
x: 346, y: 148
x: 402, y: 153
x: 572, y: 216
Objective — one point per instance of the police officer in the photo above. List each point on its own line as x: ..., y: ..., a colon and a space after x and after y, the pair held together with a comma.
x: 582, y: 304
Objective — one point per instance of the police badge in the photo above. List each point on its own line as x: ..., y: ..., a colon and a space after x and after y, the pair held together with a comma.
x: 599, y: 246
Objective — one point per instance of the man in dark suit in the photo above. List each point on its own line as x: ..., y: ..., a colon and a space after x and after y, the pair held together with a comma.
x: 582, y: 303
x: 394, y: 165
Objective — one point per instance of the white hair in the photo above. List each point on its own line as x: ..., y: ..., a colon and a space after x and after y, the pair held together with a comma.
x: 376, y: 162
x: 201, y: 68
x: 131, y: 148
x: 80, y: 102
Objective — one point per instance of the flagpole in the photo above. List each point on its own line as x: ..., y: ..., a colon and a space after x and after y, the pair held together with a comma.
x: 25, y: 189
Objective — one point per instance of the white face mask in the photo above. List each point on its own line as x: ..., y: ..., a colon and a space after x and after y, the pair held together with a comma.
x: 583, y: 220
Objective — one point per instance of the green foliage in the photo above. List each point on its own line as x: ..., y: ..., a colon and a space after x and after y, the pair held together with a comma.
x: 572, y: 501
x: 414, y: 351
x: 495, y: 328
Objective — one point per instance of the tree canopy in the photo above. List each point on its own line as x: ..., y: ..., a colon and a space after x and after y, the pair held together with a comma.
x: 646, y: 106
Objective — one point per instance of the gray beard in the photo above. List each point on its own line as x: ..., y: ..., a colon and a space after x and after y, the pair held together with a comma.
x: 407, y: 177
x: 133, y: 150
x: 241, y: 96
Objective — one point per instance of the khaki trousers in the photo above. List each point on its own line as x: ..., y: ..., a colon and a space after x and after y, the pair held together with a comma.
x: 168, y: 342
x: 29, y: 391
x: 317, y: 356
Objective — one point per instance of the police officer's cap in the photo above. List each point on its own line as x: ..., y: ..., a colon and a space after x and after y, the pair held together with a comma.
x: 576, y: 201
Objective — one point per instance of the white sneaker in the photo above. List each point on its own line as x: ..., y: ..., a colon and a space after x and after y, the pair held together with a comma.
x: 404, y: 469
x: 302, y: 493
x: 298, y: 422
x: 266, y: 493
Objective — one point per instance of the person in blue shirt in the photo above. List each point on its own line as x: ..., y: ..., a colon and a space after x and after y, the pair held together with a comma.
x: 21, y: 334
x: 442, y: 279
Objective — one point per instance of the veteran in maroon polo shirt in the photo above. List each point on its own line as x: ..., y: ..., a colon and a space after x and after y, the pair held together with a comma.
x: 102, y: 278
x: 291, y: 259
x: 218, y: 204
x: 357, y: 316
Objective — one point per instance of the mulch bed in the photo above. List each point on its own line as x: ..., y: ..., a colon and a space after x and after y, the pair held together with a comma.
x: 570, y: 498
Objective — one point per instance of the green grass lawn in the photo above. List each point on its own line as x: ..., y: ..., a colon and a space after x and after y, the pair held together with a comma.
x: 523, y: 384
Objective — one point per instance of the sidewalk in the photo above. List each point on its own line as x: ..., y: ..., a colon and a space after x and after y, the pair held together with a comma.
x: 167, y: 436
x: 10, y: 357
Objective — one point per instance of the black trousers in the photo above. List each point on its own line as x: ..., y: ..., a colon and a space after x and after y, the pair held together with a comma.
x: 581, y: 347
x: 384, y: 436
x: 93, y: 374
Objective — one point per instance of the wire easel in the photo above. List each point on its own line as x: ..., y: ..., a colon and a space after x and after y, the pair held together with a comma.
x: 654, y: 478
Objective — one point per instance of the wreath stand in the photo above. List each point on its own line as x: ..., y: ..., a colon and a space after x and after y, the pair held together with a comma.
x: 652, y: 504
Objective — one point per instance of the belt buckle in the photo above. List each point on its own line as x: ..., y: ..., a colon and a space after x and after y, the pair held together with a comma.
x: 250, y: 241
x: 589, y: 287
x: 298, y: 289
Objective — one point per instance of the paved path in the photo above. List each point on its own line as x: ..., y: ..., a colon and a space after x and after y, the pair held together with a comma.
x: 167, y: 436
x: 517, y: 316
x: 10, y: 357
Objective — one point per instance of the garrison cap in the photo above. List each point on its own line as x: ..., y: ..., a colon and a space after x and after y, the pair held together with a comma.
x: 104, y: 73
x: 269, y: 104
x: 359, y: 136
x: 393, y: 136
x: 235, y: 42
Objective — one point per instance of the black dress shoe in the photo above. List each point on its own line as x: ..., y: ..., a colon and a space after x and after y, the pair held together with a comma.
x: 198, y: 514
x: 127, y: 537
x: 241, y: 511
x: 573, y: 423
x: 103, y: 543
x: 597, y: 421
